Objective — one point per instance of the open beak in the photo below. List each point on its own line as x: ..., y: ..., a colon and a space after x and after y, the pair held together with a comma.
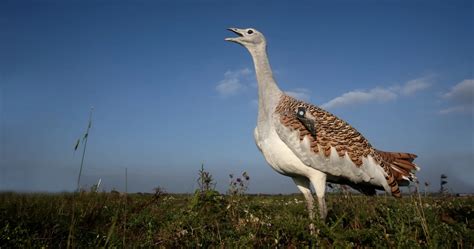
x: 237, y: 32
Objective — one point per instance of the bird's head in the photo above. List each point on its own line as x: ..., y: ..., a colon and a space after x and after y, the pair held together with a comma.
x: 249, y: 38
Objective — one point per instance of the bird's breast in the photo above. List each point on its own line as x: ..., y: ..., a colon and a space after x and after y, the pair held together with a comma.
x: 277, y: 153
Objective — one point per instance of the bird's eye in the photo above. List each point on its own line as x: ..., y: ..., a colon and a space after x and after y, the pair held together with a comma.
x: 250, y: 32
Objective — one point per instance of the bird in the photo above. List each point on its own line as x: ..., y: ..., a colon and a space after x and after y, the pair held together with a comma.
x: 313, y: 146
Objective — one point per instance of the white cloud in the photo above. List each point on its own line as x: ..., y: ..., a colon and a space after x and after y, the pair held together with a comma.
x: 412, y: 86
x: 233, y: 82
x: 379, y: 94
x: 360, y: 97
x: 237, y: 73
x: 229, y: 87
x: 455, y: 109
x: 299, y: 93
x: 461, y: 96
x: 462, y: 92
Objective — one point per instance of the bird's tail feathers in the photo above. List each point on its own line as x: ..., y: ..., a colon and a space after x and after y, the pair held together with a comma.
x: 401, y: 165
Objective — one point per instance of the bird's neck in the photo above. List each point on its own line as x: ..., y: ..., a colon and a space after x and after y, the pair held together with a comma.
x: 268, y: 91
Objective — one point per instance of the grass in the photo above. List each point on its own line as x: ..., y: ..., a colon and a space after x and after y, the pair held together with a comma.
x: 210, y: 219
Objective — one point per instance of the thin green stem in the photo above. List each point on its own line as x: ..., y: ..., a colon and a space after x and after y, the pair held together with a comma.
x: 86, y: 137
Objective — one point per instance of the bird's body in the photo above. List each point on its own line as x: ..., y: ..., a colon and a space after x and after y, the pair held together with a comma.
x: 311, y: 145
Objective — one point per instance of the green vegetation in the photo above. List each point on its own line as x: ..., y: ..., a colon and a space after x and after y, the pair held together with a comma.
x: 210, y: 219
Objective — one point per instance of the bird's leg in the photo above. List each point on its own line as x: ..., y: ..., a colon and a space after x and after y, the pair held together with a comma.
x: 318, y: 179
x: 303, y: 185
x: 323, y: 212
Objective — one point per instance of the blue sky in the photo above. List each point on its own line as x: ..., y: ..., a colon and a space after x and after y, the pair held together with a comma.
x: 169, y: 93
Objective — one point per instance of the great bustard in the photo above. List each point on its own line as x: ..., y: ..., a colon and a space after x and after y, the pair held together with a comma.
x: 311, y: 145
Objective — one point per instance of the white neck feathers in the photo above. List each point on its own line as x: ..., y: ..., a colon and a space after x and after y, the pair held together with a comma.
x: 268, y: 91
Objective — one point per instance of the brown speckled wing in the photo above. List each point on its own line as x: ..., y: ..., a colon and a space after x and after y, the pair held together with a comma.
x: 333, y: 132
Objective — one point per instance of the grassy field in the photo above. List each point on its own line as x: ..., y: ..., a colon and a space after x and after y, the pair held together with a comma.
x: 210, y: 219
